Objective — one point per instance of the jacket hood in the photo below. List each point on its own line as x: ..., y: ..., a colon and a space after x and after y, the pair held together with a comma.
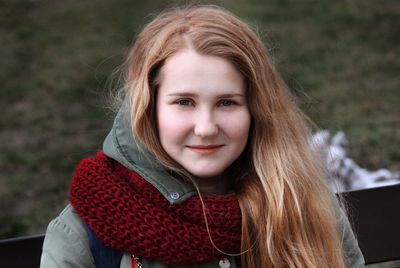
x: 121, y: 145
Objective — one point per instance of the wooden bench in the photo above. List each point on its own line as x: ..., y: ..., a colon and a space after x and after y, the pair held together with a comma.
x: 376, y: 219
x: 21, y: 252
x: 375, y: 214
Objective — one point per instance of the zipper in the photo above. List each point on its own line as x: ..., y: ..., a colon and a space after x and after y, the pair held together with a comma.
x: 136, y: 262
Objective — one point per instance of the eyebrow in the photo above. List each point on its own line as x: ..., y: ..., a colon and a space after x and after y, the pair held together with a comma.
x: 189, y: 94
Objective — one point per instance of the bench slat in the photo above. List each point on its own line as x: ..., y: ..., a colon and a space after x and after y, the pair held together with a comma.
x: 376, y: 217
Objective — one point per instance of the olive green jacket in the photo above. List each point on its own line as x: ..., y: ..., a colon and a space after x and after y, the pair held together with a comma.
x: 66, y: 243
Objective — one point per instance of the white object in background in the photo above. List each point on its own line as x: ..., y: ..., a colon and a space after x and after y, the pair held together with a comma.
x: 344, y: 173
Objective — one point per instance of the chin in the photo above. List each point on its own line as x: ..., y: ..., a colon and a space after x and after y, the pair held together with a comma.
x: 208, y: 171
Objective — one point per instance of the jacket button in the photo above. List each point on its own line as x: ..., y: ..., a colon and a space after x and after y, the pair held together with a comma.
x: 174, y: 195
x: 224, y: 263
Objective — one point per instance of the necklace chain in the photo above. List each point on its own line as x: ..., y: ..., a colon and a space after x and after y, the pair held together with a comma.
x: 222, y: 263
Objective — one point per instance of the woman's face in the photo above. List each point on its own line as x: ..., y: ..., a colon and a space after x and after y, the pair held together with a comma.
x: 202, y: 112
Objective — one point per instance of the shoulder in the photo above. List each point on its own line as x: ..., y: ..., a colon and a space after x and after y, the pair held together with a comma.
x: 66, y: 243
x: 69, y: 221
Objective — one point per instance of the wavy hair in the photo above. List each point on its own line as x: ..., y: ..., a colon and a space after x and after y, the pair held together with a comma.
x: 288, y: 211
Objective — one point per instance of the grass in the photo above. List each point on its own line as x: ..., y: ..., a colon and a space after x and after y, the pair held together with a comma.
x: 341, y: 58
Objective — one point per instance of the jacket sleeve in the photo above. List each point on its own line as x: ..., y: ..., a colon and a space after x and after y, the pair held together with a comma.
x: 66, y: 244
x: 352, y: 252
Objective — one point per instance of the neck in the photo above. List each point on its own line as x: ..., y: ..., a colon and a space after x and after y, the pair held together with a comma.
x: 217, y: 185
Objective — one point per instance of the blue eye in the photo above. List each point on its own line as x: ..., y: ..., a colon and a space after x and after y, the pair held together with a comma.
x: 184, y: 102
x: 226, y: 102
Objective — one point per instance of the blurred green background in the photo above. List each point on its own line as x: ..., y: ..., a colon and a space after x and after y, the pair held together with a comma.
x: 341, y: 58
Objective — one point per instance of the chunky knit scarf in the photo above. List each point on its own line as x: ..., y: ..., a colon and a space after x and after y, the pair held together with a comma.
x: 130, y: 215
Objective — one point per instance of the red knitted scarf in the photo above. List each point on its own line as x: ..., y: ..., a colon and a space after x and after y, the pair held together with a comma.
x: 130, y: 215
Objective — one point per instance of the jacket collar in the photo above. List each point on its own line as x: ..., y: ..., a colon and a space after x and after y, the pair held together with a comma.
x: 121, y: 146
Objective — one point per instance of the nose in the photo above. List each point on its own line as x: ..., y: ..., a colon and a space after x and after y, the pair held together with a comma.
x: 205, y: 125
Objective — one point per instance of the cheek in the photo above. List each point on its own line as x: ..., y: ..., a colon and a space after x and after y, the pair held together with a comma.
x: 238, y: 128
x: 172, y: 128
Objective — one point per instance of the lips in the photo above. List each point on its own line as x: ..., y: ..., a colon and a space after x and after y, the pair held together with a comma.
x: 205, y: 149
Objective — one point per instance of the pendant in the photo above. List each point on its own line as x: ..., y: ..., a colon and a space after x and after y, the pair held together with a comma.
x: 224, y: 263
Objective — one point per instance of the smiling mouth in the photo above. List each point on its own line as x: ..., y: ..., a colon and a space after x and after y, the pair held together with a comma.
x: 205, y: 149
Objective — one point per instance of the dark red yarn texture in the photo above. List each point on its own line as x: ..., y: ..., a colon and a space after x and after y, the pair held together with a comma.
x: 130, y: 215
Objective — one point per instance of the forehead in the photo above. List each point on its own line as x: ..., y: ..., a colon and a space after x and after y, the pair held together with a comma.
x: 189, y: 70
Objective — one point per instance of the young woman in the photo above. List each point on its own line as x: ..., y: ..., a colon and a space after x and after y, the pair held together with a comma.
x: 208, y: 163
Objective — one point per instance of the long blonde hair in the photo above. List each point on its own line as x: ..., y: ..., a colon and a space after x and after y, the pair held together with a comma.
x: 288, y: 213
